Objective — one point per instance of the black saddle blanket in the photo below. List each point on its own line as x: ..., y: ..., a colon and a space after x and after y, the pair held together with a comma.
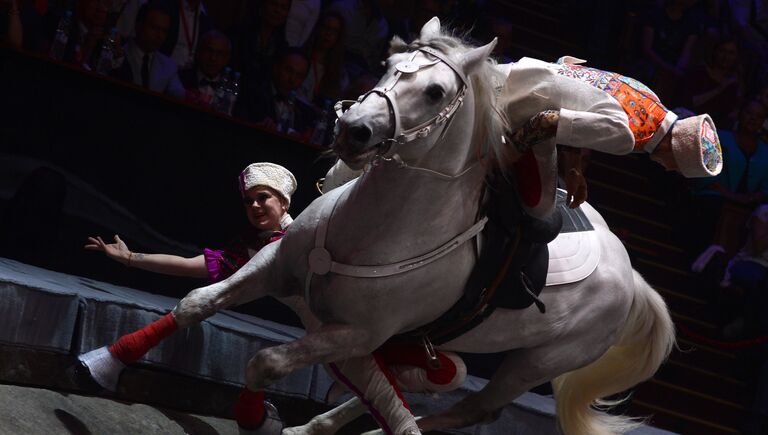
x: 512, y: 267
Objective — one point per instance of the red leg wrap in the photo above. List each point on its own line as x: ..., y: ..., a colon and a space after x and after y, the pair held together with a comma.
x: 131, y: 347
x: 402, y: 354
x: 249, y: 409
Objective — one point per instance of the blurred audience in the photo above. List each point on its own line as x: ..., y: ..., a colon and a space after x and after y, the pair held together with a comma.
x: 741, y: 304
x: 366, y: 34
x: 325, y: 51
x: 716, y: 87
x: 38, y: 21
x: 749, y: 270
x: 261, y: 36
x: 762, y: 97
x: 275, y: 104
x: 188, y: 20
x: 669, y: 33
x: 10, y: 24
x: 142, y: 63
x: 86, y: 32
x: 302, y: 18
x: 743, y: 180
x: 202, y: 79
x: 123, y: 15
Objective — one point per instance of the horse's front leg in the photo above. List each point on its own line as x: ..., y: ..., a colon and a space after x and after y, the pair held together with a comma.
x: 347, y: 350
x: 254, y: 280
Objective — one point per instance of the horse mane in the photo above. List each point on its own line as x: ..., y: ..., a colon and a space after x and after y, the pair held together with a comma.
x: 489, y: 124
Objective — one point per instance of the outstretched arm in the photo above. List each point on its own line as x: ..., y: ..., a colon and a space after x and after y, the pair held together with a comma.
x: 159, y: 263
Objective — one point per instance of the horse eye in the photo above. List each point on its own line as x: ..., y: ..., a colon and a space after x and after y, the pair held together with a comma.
x: 435, y: 93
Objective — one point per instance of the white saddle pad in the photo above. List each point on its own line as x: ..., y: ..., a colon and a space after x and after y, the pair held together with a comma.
x: 572, y: 257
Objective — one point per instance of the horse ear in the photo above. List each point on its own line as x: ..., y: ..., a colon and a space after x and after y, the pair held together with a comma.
x: 475, y: 57
x: 430, y: 29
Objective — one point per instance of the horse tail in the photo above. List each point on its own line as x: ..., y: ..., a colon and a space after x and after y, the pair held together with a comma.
x: 645, y: 342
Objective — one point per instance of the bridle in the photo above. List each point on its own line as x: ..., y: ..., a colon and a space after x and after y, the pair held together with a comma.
x: 388, y: 147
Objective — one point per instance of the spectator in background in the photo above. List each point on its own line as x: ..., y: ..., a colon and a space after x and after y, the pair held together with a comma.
x: 261, y: 37
x: 749, y: 20
x: 185, y: 28
x: 39, y: 22
x: 201, y: 80
x: 87, y: 32
x: 749, y: 270
x: 716, y: 88
x: 366, y: 34
x: 744, y: 285
x: 123, y: 16
x: 325, y: 51
x: 142, y: 63
x: 302, y: 18
x: 762, y: 97
x: 668, y: 38
x: 10, y: 24
x: 189, y: 20
x: 275, y: 104
x: 743, y: 180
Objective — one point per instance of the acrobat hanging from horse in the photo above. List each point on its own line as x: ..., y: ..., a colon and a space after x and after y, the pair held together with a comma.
x: 387, y: 254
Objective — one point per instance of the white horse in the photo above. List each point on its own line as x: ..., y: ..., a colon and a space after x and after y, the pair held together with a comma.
x: 384, y: 255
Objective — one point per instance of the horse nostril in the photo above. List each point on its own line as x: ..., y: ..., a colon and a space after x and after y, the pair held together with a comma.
x: 360, y: 133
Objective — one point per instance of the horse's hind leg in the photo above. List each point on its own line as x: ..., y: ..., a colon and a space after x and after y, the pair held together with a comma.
x: 521, y: 370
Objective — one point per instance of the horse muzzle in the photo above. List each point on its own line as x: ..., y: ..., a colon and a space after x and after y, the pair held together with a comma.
x: 354, y: 144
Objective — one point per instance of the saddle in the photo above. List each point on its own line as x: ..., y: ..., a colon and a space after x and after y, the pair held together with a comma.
x: 512, y: 266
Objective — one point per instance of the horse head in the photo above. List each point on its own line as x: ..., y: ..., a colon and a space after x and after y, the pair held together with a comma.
x: 429, y: 86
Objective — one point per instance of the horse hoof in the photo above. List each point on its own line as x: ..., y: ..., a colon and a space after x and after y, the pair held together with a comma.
x: 411, y: 430
x: 272, y: 425
x: 102, y: 367
x: 82, y: 379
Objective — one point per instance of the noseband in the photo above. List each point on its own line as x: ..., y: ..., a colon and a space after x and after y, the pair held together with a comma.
x: 405, y: 68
